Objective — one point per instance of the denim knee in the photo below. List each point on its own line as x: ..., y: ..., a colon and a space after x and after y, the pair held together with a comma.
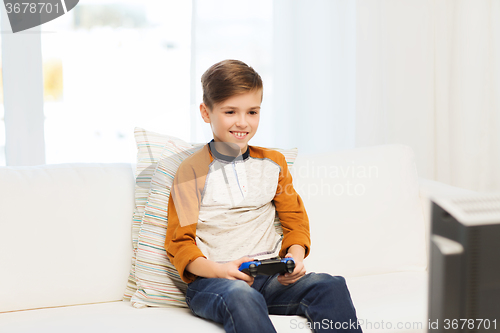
x: 243, y: 304
x: 325, y: 278
x: 232, y: 303
x: 337, y: 280
x: 241, y: 294
x: 338, y: 285
x: 329, y: 284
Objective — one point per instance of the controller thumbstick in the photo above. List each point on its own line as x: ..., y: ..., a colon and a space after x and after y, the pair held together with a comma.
x: 290, y: 266
x: 252, y: 269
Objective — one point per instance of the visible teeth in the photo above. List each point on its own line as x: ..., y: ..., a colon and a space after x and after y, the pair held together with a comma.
x: 241, y: 134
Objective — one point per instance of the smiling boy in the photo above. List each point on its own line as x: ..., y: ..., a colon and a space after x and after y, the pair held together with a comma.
x: 221, y: 213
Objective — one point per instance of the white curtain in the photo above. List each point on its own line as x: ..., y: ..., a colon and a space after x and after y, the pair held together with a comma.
x: 314, y: 74
x: 424, y: 73
x: 23, y: 95
x: 467, y: 93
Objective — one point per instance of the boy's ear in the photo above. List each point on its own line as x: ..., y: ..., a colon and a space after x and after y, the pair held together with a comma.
x: 205, y: 114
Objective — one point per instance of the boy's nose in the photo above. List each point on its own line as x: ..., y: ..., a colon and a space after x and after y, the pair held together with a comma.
x: 241, y: 121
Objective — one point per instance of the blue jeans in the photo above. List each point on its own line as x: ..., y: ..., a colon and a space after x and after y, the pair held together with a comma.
x: 323, y: 299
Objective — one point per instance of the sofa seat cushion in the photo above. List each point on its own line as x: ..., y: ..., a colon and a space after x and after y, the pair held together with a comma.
x: 395, y: 297
x: 392, y: 298
x: 120, y: 317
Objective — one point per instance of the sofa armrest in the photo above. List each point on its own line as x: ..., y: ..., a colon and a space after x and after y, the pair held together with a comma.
x: 429, y: 188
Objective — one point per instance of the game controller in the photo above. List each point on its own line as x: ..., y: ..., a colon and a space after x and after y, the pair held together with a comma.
x: 268, y: 266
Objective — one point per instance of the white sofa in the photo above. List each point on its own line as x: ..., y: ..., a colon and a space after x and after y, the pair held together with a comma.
x: 65, y: 248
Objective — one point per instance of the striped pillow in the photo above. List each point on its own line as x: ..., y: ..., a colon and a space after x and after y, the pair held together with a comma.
x: 150, y: 146
x: 158, y: 282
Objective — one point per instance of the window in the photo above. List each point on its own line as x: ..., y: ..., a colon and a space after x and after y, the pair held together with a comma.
x: 109, y: 67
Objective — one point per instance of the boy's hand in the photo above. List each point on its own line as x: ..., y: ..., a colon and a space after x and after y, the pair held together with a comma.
x: 230, y: 270
x: 298, y: 272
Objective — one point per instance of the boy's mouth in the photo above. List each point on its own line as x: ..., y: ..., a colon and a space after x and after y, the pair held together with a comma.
x: 239, y: 135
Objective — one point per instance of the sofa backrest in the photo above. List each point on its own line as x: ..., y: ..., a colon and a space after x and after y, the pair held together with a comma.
x: 364, y: 210
x: 65, y: 234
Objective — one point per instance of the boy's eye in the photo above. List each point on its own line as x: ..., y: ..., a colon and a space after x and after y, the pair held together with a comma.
x: 231, y: 112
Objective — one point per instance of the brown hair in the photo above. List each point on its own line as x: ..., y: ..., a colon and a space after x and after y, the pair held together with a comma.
x: 226, y: 79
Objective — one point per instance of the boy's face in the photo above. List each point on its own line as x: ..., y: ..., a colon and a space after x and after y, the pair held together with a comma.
x: 235, y: 120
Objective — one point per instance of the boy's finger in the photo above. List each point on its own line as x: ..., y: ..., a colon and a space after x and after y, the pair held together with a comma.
x: 244, y: 277
x: 242, y: 260
x: 283, y: 281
